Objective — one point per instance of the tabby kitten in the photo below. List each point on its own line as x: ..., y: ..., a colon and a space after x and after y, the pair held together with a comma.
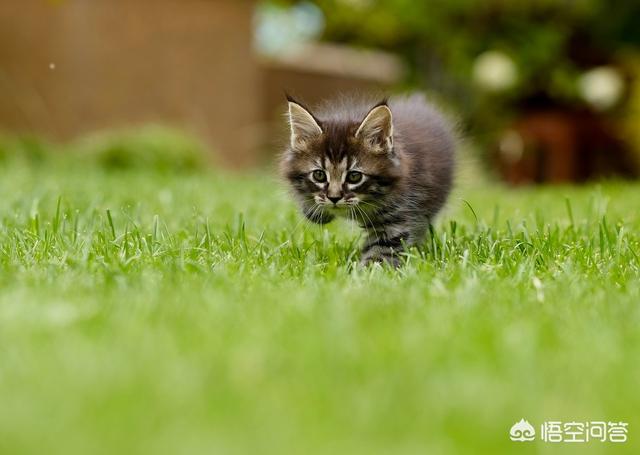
x: 388, y: 167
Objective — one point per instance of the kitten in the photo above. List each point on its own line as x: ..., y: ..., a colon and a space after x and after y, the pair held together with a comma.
x: 388, y: 166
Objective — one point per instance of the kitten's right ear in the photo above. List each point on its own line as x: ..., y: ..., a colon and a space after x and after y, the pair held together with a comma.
x: 304, y: 126
x: 377, y: 128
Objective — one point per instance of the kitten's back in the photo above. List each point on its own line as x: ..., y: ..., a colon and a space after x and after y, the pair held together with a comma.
x: 421, y: 129
x: 427, y: 140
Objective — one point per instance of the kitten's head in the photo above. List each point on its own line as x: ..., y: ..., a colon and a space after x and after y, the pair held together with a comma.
x: 334, y: 164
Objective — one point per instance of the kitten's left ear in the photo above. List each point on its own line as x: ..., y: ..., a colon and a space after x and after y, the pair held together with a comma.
x: 377, y: 128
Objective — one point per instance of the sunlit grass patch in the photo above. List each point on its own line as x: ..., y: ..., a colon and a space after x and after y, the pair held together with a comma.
x: 143, y: 311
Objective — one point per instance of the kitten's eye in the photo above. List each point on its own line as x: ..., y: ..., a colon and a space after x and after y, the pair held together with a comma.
x: 319, y: 176
x: 354, y: 177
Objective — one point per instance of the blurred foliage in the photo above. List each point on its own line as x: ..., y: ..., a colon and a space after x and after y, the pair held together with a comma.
x: 23, y: 148
x: 550, y: 42
x: 152, y: 148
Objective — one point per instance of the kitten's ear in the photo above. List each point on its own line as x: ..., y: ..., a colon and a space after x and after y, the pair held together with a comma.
x: 377, y: 129
x: 303, y: 125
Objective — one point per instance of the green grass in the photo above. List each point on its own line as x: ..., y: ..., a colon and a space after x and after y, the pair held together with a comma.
x: 147, y: 311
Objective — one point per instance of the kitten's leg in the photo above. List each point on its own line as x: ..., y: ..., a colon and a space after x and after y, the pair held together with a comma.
x: 384, y: 247
x: 389, y: 244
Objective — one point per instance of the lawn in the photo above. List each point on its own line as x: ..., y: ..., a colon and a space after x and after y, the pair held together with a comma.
x: 151, y: 310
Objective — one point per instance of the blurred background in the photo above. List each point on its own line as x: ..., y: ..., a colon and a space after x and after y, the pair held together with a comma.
x: 544, y: 90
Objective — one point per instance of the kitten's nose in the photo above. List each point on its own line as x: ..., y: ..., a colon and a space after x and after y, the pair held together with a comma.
x: 334, y: 199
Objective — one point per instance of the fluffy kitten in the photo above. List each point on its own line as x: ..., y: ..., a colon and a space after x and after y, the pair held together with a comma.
x: 388, y: 166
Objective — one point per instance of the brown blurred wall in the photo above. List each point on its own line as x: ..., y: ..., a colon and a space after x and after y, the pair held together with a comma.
x: 68, y: 67
x: 73, y: 66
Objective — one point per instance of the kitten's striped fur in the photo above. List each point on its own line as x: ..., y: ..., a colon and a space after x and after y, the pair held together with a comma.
x: 388, y: 166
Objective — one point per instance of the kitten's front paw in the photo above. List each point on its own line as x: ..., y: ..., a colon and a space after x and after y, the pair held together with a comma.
x: 389, y: 258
